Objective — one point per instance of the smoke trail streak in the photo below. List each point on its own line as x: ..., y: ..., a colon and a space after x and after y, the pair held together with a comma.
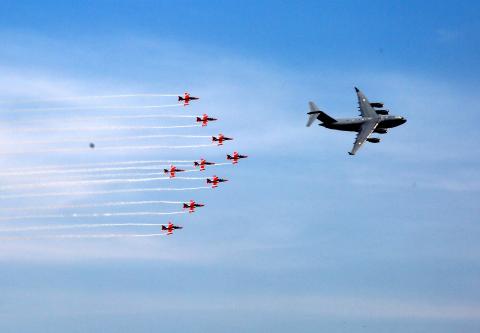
x: 93, y: 182
x: 114, y: 139
x: 75, y: 215
x: 104, y: 128
x: 82, y: 236
x: 46, y: 171
x: 75, y: 150
x: 97, y: 164
x: 85, y: 170
x: 104, y: 204
x: 78, y: 98
x: 140, y: 116
x: 134, y: 190
x: 82, y: 226
x: 98, y: 107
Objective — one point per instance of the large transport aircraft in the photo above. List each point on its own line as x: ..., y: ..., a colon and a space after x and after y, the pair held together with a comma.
x: 373, y: 119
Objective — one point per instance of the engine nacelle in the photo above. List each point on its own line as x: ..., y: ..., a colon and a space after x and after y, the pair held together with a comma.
x: 382, y: 112
x: 381, y: 130
x: 373, y: 140
x: 376, y: 105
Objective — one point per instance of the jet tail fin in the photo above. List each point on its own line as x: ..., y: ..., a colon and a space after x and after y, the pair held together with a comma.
x: 315, y: 113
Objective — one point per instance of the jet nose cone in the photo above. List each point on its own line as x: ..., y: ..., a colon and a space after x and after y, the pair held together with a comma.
x: 404, y: 120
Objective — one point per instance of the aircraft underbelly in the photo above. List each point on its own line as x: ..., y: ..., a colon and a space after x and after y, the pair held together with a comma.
x: 353, y: 127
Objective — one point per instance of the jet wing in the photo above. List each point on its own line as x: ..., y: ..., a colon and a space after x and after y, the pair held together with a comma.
x: 367, y: 128
x: 366, y: 109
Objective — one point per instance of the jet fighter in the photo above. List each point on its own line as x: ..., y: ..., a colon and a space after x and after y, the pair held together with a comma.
x: 215, y: 181
x: 205, y: 119
x: 191, y: 206
x: 235, y: 157
x: 173, y: 169
x: 186, y: 98
x: 374, y: 119
x: 202, y: 164
x: 170, y: 228
x: 220, y: 139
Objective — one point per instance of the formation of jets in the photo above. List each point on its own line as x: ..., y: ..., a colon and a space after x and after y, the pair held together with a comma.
x: 373, y: 119
x: 201, y: 164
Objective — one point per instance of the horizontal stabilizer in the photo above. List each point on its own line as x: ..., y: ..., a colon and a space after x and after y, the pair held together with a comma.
x: 315, y: 113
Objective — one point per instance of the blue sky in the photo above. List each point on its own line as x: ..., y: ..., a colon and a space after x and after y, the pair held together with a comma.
x: 303, y: 237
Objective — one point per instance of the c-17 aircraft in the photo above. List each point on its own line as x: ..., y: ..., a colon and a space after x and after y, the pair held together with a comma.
x: 373, y: 119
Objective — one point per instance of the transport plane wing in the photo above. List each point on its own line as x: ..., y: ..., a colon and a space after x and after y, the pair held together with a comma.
x: 367, y: 128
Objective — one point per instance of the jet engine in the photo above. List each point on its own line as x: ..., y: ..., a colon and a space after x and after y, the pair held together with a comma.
x: 381, y: 130
x: 376, y: 105
x: 383, y: 112
x: 373, y: 140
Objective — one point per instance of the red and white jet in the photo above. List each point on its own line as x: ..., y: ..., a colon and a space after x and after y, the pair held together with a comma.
x: 219, y: 140
x: 235, y: 157
x: 173, y: 169
x: 205, y: 119
x: 170, y: 228
x: 202, y: 164
x: 186, y: 98
x: 215, y: 181
x: 191, y: 206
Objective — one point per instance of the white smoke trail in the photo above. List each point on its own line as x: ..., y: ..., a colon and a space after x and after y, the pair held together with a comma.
x: 103, y: 204
x: 93, y: 182
x: 85, y: 170
x: 99, y: 128
x: 76, y: 150
x: 81, y: 236
x: 82, y: 226
x: 113, y: 139
x: 75, y: 215
x: 97, y: 164
x: 98, y: 107
x: 140, y: 116
x: 133, y: 190
x: 79, y: 98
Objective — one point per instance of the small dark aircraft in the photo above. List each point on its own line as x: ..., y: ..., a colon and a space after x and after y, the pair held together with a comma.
x: 235, y: 157
x: 186, y: 98
x: 219, y: 140
x: 202, y: 164
x: 205, y: 119
x: 191, y: 206
x: 373, y: 119
x: 215, y: 181
x: 91, y: 145
x: 170, y: 228
x: 173, y: 169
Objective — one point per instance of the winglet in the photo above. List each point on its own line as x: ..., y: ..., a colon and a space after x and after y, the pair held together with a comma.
x: 350, y: 153
x: 356, y: 89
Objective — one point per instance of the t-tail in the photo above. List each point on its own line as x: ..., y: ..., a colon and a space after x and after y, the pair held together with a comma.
x: 315, y: 113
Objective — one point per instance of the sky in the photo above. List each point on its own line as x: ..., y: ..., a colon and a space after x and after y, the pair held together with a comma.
x: 303, y: 237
